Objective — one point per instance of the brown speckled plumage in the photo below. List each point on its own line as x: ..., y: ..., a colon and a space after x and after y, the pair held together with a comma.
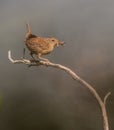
x: 39, y: 45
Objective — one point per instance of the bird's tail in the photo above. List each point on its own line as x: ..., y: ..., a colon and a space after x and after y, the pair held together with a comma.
x: 28, y: 27
x: 28, y: 30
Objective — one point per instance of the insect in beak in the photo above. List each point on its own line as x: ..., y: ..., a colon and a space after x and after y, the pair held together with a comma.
x: 61, y: 43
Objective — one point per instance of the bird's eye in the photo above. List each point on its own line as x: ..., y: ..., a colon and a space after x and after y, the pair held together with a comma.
x: 53, y: 40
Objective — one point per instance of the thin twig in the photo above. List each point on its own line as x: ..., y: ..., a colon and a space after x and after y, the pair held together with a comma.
x: 106, y: 97
x: 25, y: 61
x: 75, y: 77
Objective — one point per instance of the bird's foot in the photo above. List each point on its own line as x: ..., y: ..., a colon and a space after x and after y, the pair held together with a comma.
x: 45, y: 61
x: 34, y: 60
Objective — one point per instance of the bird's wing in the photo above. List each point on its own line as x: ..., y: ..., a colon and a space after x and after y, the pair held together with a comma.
x: 38, y: 43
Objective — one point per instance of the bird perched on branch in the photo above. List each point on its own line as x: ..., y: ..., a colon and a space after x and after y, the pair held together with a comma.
x: 40, y: 45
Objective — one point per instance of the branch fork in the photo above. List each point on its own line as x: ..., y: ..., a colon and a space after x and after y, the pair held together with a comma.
x: 27, y: 62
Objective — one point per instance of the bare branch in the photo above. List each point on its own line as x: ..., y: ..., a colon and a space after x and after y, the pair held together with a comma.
x: 106, y: 97
x: 25, y: 61
x: 75, y: 77
x: 28, y: 62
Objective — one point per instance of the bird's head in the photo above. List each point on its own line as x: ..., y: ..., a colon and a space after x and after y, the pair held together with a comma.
x: 56, y: 42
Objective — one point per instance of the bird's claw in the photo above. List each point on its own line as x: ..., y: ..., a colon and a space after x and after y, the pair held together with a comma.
x: 33, y: 60
x: 46, y: 62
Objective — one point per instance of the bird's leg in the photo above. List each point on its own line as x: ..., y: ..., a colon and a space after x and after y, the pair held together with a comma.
x: 33, y: 59
x: 43, y: 59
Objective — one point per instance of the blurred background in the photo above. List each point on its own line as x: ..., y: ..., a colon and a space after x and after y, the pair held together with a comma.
x: 44, y: 98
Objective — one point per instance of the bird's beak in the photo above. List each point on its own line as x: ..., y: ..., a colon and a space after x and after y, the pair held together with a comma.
x: 62, y: 43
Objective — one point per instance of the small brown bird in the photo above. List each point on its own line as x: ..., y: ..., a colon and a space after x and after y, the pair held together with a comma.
x: 39, y: 45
